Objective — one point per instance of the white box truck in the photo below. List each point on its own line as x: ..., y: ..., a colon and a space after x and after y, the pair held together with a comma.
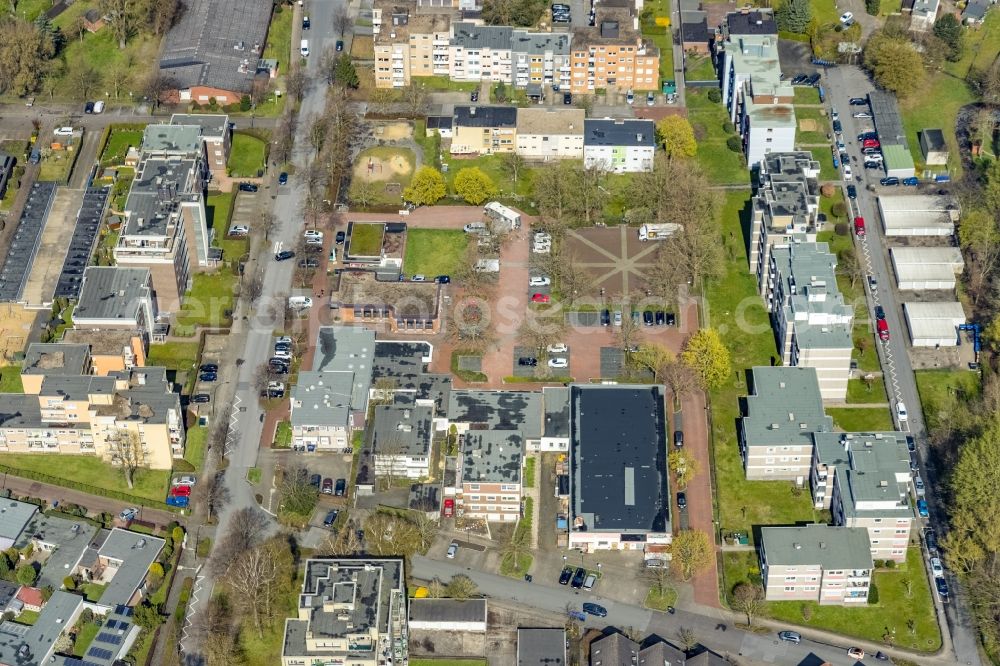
x: 658, y: 231
x: 304, y: 48
x: 504, y: 219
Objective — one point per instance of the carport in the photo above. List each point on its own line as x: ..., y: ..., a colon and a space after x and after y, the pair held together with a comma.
x: 934, y: 324
x: 898, y: 161
x: 925, y: 268
x: 918, y: 214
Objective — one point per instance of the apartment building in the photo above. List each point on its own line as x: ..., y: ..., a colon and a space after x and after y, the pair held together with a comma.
x: 784, y: 409
x: 484, y: 130
x: 88, y: 415
x: 540, y: 59
x: 811, y: 321
x: 165, y: 228
x: 550, y: 133
x: 758, y: 99
x: 490, y: 466
x: 110, y: 350
x: 408, y: 44
x: 831, y: 565
x: 116, y: 298
x: 864, y: 480
x: 619, y: 145
x: 350, y: 611
x: 321, y: 415
x: 401, y: 438
x: 612, y: 54
x: 215, y: 132
x: 480, y: 53
x: 53, y: 359
x: 785, y: 204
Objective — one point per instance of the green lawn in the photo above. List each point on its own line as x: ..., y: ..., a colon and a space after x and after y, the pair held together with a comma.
x: 743, y: 503
x: 247, y: 155
x: 91, y: 471
x: 721, y: 165
x: 432, y: 252
x: 659, y: 35
x: 936, y: 106
x: 194, y: 446
x: 118, y: 144
x: 447, y: 662
x: 895, y: 609
x: 207, y: 303
x: 366, y: 239
x: 658, y: 601
x: 88, y: 631
x: 10, y: 379
x: 529, y: 472
x: 491, y: 166
x: 859, y: 392
x: 444, y: 84
x: 56, y: 166
x: 279, y: 36
x: 254, y: 475
x: 864, y: 339
x: 861, y: 419
x: 173, y: 355
x: 941, y: 389
x: 219, y: 211
x: 283, y: 435
x: 823, y: 11
x: 700, y: 68
x: 806, y: 95
x: 27, y: 617
x: 819, y: 135
x: 825, y: 159
x: 100, y: 50
x: 119, y: 194
x: 981, y: 47
x: 29, y: 10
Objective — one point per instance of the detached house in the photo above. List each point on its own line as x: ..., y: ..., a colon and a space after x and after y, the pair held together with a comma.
x: 484, y: 130
x: 619, y: 145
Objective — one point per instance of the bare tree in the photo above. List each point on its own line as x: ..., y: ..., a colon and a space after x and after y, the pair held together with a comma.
x: 213, y: 494
x: 221, y: 641
x: 426, y: 530
x: 296, y: 82
x: 749, y: 600
x: 628, y: 332
x: 659, y: 579
x: 512, y: 164
x: 687, y: 639
x: 284, y: 139
x: 128, y: 452
x: 245, y: 530
x: 436, y: 589
x: 122, y: 19
x: 342, y: 21
x: 388, y: 450
x: 462, y: 587
x: 680, y: 378
x: 538, y: 331
x: 415, y: 98
x: 253, y: 575
x: 363, y: 192
x: 516, y: 547
x: 343, y: 543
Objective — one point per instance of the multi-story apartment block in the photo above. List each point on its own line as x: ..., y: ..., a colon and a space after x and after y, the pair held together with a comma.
x: 216, y: 138
x: 480, y: 53
x: 864, y: 479
x: 812, y: 323
x: 116, y: 298
x: 401, y: 438
x: 783, y: 410
x: 491, y: 462
x: 785, y: 204
x: 408, y: 44
x: 321, y: 415
x: 110, y: 350
x: 619, y: 145
x: 758, y: 100
x: 484, y: 130
x: 612, y: 54
x: 831, y: 565
x: 97, y: 416
x: 550, y: 133
x: 53, y: 359
x: 165, y: 228
x: 351, y: 611
x: 540, y: 59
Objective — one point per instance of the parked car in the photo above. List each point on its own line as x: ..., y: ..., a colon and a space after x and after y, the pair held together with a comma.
x: 443, y: 279
x: 283, y: 255
x: 540, y: 298
x: 209, y: 367
x: 316, y: 481
x: 942, y: 587
x: 930, y: 538
x: 239, y: 230
x: 629, y: 97
x: 340, y: 487
x: 418, y: 278
x: 560, y: 362
x: 341, y: 237
x: 200, y: 398
x: 328, y: 486
x: 889, y: 181
x: 671, y: 319
x: 861, y: 114
x: 577, y: 615
x: 790, y: 636
x: 557, y: 348
x: 848, y: 174
x: 838, y: 127
x: 300, y: 302
x: 911, y: 444
x: 181, y: 491
x: 682, y: 501
x: 527, y: 361
x: 858, y: 101
x: 847, y: 18
x: 248, y: 187
x: 912, y: 181
x: 855, y: 652
x: 605, y: 317
x: 661, y: 317
x: 340, y: 45
x: 901, y: 411
x: 180, y: 502
x: 870, y: 143
x: 596, y: 610
x: 880, y: 314
x: 937, y: 567
x: 882, y: 328
x: 922, y: 509
x: 565, y: 575
x: 474, y: 97
x: 852, y: 191
x: 539, y: 281
x: 283, y: 178
x: 128, y: 514
x: 650, y: 99
x: 306, y: 23
x: 589, y: 582
x: 618, y: 318
x: 331, y: 518
x: 99, y: 106
x: 88, y: 107
x: 678, y: 438
x: 918, y: 487
x: 208, y: 377
x: 578, y: 578
x: 452, y: 551
x: 647, y: 317
x: 567, y: 99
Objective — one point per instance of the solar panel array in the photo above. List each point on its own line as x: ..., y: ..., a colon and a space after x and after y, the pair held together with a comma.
x: 24, y: 244
x: 88, y: 223
x: 99, y: 653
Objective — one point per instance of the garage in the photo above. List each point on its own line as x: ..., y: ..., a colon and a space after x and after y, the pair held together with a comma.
x: 934, y: 324
x: 926, y: 268
x: 918, y: 214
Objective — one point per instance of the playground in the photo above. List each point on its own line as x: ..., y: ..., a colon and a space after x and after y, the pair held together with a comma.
x: 380, y: 174
x: 15, y: 326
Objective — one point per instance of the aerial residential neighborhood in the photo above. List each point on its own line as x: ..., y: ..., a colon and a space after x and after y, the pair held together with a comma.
x: 482, y: 333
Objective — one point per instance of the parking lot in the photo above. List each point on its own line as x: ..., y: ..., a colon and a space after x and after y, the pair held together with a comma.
x: 541, y: 365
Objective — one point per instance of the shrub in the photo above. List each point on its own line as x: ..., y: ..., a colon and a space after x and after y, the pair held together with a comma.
x: 840, y: 229
x: 177, y: 534
x: 807, y: 612
x: 245, y: 103
x: 734, y: 144
x: 890, y: 564
x: 728, y: 127
x: 839, y: 209
x: 87, y: 616
x: 828, y: 190
x: 69, y: 583
x: 715, y: 95
x: 872, y: 595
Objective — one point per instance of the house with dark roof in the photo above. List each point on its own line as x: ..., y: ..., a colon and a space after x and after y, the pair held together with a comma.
x: 619, y: 493
x: 621, y: 145
x: 401, y: 439
x: 695, y: 35
x: 484, y: 130
x: 975, y: 11
x: 441, y: 124
x: 933, y: 146
x: 93, y: 20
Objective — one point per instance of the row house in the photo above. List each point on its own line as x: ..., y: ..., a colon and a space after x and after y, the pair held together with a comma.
x: 546, y: 133
x: 612, y: 53
x: 484, y: 130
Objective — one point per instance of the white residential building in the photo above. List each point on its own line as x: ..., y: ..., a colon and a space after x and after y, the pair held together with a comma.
x: 547, y: 133
x: 619, y: 145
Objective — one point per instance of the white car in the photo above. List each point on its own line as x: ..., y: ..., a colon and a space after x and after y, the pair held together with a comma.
x: 901, y: 411
x: 314, y: 241
x: 312, y: 233
x: 542, y: 237
x: 558, y: 362
x: 630, y: 97
x: 63, y: 131
x: 282, y: 353
x: 239, y: 230
x: 99, y: 106
x: 541, y: 249
x: 848, y: 174
x: 937, y: 568
x: 283, y: 340
x: 847, y: 18
x: 557, y: 348
x: 539, y: 281
x: 300, y: 302
x: 184, y: 480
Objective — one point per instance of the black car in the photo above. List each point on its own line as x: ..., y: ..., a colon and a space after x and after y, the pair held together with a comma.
x: 647, y: 317
x: 283, y: 178
x: 812, y: 80
x: 678, y: 438
x: 443, y: 279
x: 868, y: 135
x: 605, y: 317
x: 890, y: 181
x: 209, y: 367
x: 845, y: 158
x: 852, y: 192
x: 340, y: 45
x: 248, y: 187
x: 671, y: 319
x: 331, y: 518
x: 682, y: 501
x: 579, y: 577
x: 661, y: 317
x: 565, y: 575
x: 308, y: 263
x: 474, y: 97
x: 595, y: 609
x: 340, y: 487
x: 284, y: 254
x: 208, y: 377
x: 837, y: 127
x: 528, y: 361
x: 88, y: 107
x: 567, y: 98
x: 911, y: 444
x: 942, y: 587
x: 872, y: 164
x: 306, y: 23
x: 316, y: 481
x: 931, y: 539
x: 341, y: 237
x: 799, y: 80
x: 880, y: 314
x: 201, y: 398
x: 881, y: 656
x: 859, y: 101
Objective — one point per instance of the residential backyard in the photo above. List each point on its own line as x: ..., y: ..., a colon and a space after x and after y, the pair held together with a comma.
x: 492, y: 167
x: 247, y: 156
x: 861, y: 419
x: 118, y: 144
x: 209, y: 302
x: 721, y: 165
x: 433, y: 252
x: 904, y: 607
x: 180, y: 356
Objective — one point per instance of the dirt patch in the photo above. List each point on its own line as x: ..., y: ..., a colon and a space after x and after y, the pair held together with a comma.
x: 383, y: 166
x: 394, y: 131
x: 15, y: 326
x: 808, y: 125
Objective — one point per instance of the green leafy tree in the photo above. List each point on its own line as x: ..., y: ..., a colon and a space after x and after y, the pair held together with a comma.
x: 691, y: 551
x: 684, y: 465
x: 873, y: 7
x: 794, y: 16
x: 706, y: 354
x: 148, y: 615
x: 894, y: 63
x: 949, y: 30
x: 69, y: 583
x: 677, y: 136
x: 426, y: 188
x: 473, y: 185
x: 26, y: 574
x: 344, y: 72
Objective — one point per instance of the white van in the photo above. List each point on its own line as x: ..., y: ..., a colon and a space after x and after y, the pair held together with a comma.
x: 300, y: 302
x: 304, y: 48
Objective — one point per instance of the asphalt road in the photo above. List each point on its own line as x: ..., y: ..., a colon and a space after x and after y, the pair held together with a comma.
x: 842, y: 83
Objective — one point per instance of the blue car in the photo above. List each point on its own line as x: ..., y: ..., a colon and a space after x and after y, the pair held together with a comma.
x: 577, y: 615
x: 177, y: 500
x: 912, y: 181
x: 283, y: 178
x: 595, y: 609
x: 922, y: 508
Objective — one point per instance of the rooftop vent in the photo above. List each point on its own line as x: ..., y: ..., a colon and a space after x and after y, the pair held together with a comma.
x: 797, y: 546
x: 822, y: 544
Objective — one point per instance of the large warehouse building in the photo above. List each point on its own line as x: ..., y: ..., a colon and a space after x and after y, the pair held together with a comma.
x: 918, y: 214
x: 925, y: 268
x: 934, y: 324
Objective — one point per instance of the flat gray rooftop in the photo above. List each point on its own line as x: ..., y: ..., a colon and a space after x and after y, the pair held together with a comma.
x: 492, y: 456
x: 55, y: 358
x: 24, y: 243
x: 498, y: 410
x: 113, y: 292
x: 81, y: 245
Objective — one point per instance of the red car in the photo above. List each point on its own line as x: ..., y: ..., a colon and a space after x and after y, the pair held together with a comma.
x: 449, y: 507
x: 181, y: 491
x: 859, y: 226
x: 883, y: 330
x: 870, y: 143
x: 540, y: 298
